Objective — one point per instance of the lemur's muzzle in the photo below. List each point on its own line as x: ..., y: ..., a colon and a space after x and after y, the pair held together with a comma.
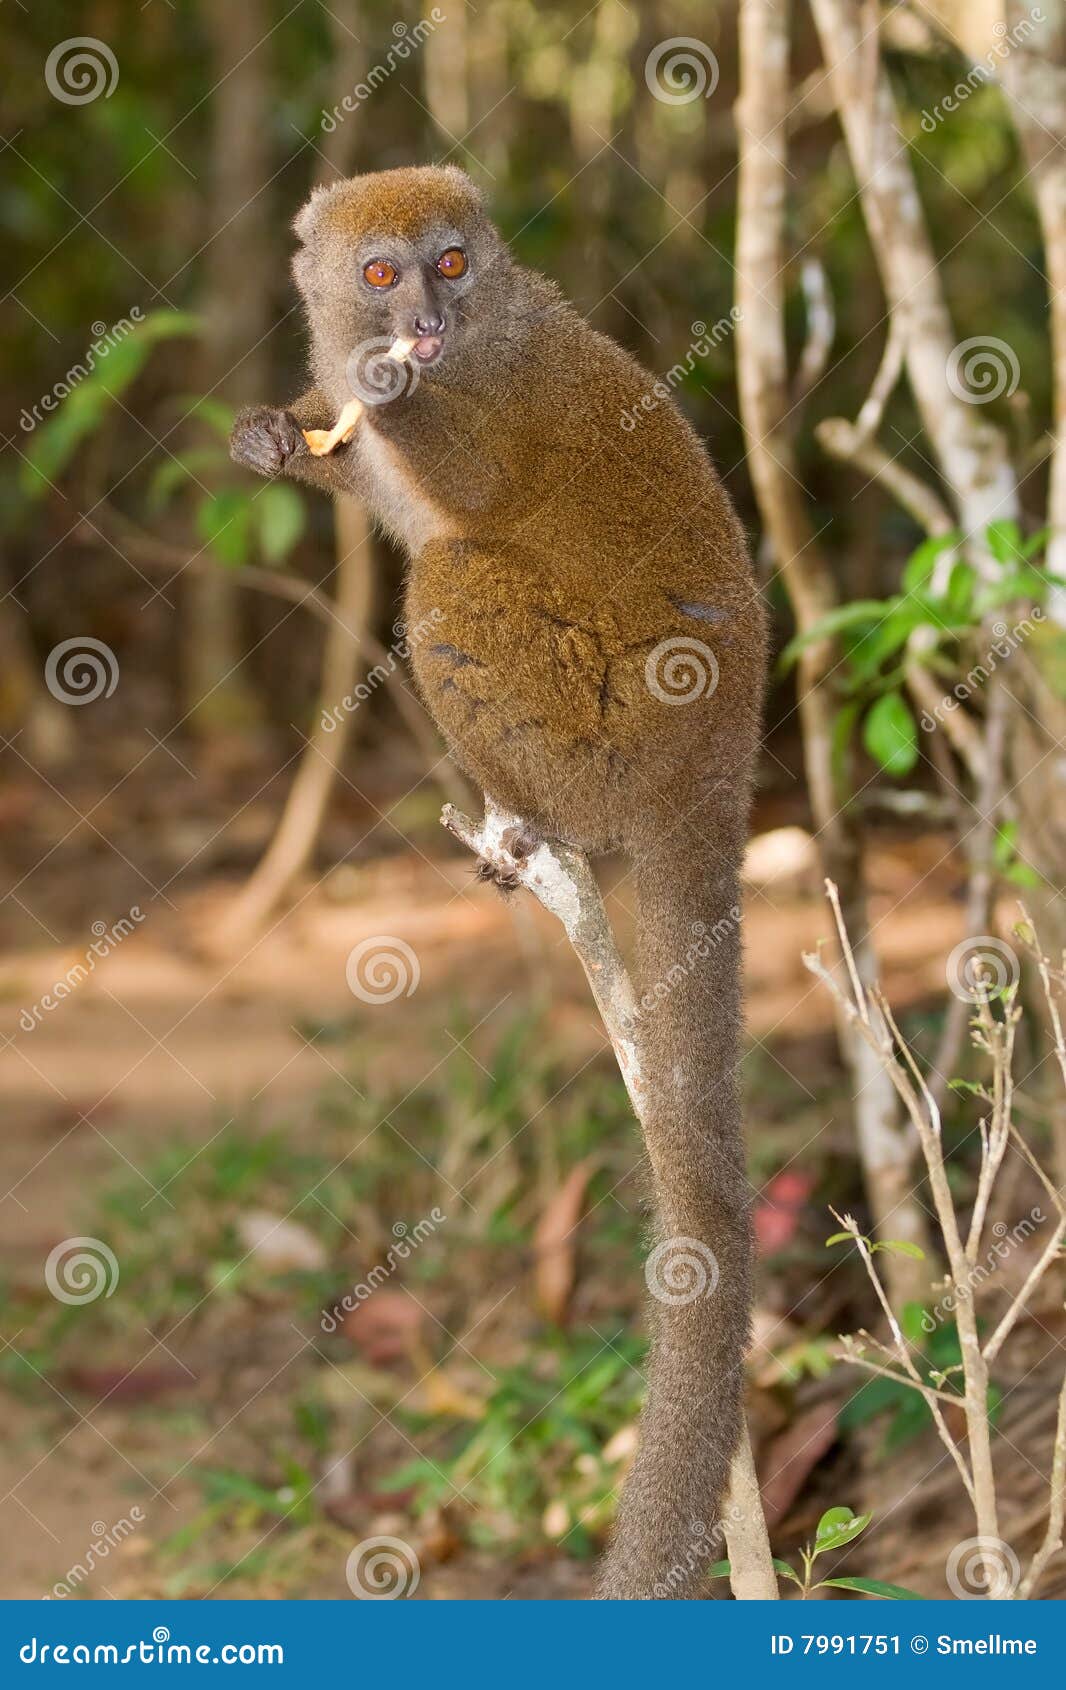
x: 430, y: 329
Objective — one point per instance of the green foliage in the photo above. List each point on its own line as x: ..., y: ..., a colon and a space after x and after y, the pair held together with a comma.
x: 237, y: 522
x: 540, y: 1440
x: 937, y: 1356
x: 1008, y: 863
x: 87, y: 406
x: 890, y: 733
x: 874, y: 635
x: 893, y: 1246
x: 835, y: 1530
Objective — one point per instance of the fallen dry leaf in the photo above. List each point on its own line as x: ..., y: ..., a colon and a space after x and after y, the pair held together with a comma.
x: 555, y: 1244
x: 780, y: 1209
x: 128, y: 1384
x: 440, y: 1394
x: 386, y: 1327
x: 789, y: 1458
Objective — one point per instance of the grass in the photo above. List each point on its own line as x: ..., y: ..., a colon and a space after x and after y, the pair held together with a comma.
x: 505, y: 1427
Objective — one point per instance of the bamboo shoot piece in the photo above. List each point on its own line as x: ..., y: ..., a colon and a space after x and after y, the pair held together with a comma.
x: 322, y: 441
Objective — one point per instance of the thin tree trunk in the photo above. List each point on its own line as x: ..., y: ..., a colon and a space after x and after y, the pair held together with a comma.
x: 343, y: 654
x: 885, y: 1149
x: 970, y: 450
x: 305, y: 807
x: 238, y: 265
x: 26, y: 705
x: 1034, y: 75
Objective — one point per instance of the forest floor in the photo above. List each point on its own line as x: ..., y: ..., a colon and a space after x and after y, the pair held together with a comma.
x: 250, y: 1140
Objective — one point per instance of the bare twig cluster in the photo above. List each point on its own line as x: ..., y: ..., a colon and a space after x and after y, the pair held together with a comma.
x: 994, y: 1024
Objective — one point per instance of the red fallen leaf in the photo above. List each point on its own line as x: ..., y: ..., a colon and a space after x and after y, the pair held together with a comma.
x: 78, y: 1115
x: 791, y: 1456
x: 385, y: 1327
x: 778, y: 1211
x: 353, y: 1510
x: 128, y: 1384
x: 555, y: 1243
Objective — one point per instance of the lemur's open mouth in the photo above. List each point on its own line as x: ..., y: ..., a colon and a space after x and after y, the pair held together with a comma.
x: 429, y: 348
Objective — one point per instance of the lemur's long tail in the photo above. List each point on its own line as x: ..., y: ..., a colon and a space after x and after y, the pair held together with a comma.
x: 699, y: 1271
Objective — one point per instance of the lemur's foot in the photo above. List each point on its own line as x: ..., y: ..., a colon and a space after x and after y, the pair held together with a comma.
x: 504, y: 879
x: 264, y: 439
x: 519, y: 843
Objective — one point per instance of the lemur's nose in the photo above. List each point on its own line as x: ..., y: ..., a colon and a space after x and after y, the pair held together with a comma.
x: 431, y: 325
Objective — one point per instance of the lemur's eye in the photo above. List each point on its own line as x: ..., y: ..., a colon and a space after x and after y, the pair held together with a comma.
x: 380, y: 273
x: 452, y: 263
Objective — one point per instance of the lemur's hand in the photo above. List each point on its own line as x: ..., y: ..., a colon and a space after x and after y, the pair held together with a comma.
x: 264, y: 439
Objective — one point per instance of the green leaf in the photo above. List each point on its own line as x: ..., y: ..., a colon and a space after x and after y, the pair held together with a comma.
x: 869, y: 648
x: 113, y: 368
x: 912, y: 1323
x: 844, y: 616
x: 890, y: 734
x: 918, y: 569
x: 1035, y: 543
x: 174, y: 471
x: 837, y: 1527
x: 873, y: 1587
x: 901, y: 1247
x: 844, y: 721
x: 1028, y: 583
x: 838, y: 1238
x: 214, y: 412
x: 786, y: 1571
x: 1020, y: 874
x: 958, y: 599
x: 720, y: 1570
x: 224, y: 521
x: 279, y: 517
x: 1004, y: 541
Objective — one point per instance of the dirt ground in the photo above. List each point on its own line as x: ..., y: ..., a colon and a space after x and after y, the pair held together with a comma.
x: 162, y: 1036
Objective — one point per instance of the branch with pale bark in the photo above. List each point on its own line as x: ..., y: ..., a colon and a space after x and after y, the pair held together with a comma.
x: 885, y: 1150
x: 561, y: 879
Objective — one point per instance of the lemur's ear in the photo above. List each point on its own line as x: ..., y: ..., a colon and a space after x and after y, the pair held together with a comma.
x: 304, y: 222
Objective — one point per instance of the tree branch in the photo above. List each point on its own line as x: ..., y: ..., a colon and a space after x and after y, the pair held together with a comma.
x: 561, y: 879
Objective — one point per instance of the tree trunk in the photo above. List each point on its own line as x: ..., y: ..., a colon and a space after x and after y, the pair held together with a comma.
x: 885, y: 1150
x: 240, y: 258
x: 970, y: 451
x: 343, y: 654
x: 1034, y: 75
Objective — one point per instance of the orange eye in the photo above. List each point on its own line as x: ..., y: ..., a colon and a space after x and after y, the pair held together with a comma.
x: 380, y: 273
x: 452, y: 263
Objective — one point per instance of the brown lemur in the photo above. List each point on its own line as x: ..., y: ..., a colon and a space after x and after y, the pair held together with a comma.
x: 569, y: 535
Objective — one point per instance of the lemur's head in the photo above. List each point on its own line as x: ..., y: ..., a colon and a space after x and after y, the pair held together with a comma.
x: 400, y: 254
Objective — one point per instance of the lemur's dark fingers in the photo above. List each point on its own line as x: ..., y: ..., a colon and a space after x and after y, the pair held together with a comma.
x: 264, y: 440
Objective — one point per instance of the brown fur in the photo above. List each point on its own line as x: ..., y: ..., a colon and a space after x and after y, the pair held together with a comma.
x: 557, y: 550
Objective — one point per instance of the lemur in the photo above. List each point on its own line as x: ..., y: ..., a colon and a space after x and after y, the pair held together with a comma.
x: 572, y: 542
